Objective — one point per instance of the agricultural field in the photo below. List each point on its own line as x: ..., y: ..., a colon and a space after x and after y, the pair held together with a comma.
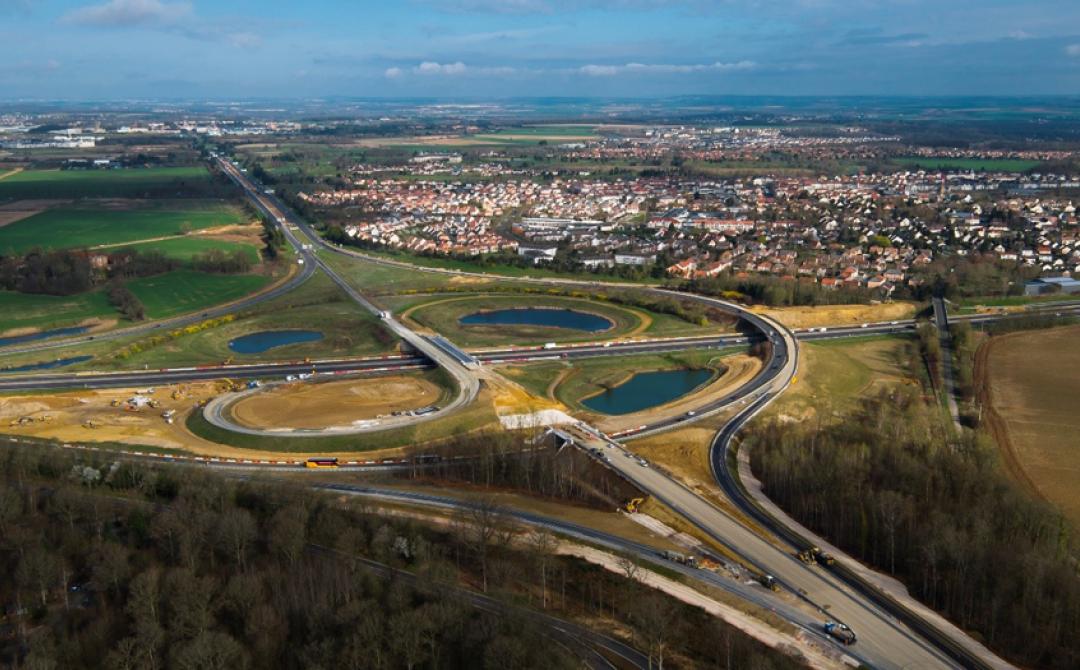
x: 1030, y: 385
x: 165, y: 182
x: 66, y: 228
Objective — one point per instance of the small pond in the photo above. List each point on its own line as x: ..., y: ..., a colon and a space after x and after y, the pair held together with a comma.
x: 43, y: 335
x: 47, y: 365
x: 256, y: 343
x: 539, y: 316
x: 647, y: 389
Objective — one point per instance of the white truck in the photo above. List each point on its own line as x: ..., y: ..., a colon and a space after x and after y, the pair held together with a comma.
x: 550, y: 345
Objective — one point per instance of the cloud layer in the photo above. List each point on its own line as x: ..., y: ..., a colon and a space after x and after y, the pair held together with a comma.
x: 129, y: 13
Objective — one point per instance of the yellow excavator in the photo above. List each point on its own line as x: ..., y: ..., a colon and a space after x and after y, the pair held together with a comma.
x: 631, y: 506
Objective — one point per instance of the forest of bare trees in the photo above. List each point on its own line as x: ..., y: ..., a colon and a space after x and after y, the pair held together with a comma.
x: 123, y: 566
x: 892, y: 487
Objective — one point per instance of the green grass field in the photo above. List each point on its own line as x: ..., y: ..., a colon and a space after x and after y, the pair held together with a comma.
x: 163, y: 296
x: 64, y: 228
x: 834, y: 375
x: 126, y: 183
x: 185, y: 291
x: 184, y: 248
x: 21, y: 310
x: 977, y: 164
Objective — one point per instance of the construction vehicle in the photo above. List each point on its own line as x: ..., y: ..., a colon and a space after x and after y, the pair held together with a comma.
x: 806, y: 556
x: 769, y: 582
x: 840, y: 632
x: 633, y: 505
x: 676, y: 557
x: 823, y: 557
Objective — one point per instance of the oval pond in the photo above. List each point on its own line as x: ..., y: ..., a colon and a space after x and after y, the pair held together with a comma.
x: 647, y: 389
x: 539, y: 316
x: 256, y: 343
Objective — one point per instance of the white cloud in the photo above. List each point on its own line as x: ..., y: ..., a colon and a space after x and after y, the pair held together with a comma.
x: 1073, y: 50
x: 393, y: 72
x: 431, y: 67
x: 663, y: 68
x: 128, y: 13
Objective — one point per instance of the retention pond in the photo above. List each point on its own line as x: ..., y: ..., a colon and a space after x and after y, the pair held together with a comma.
x: 256, y: 343
x: 539, y: 316
x: 647, y: 389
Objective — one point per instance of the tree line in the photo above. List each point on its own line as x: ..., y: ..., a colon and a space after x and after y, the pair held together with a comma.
x: 892, y: 487
x: 777, y: 292
x: 70, y: 272
x: 122, y: 565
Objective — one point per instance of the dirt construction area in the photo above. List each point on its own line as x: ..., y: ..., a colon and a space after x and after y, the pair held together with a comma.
x: 108, y: 415
x: 1030, y: 383
x: 337, y: 403
x: 839, y: 315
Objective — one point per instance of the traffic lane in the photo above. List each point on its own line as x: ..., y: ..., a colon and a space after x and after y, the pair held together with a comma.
x: 881, y: 640
x: 124, y: 380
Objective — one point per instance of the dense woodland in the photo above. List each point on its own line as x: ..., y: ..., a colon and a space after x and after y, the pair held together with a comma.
x: 537, y: 468
x: 894, y: 489
x: 124, y: 566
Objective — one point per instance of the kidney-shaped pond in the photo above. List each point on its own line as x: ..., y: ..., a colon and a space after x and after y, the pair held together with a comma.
x: 647, y: 389
x: 256, y: 343
x: 539, y: 316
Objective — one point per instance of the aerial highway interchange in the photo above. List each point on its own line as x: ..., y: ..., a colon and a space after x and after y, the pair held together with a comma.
x: 888, y: 635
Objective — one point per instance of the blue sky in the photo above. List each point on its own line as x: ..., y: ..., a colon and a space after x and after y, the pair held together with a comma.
x: 80, y: 49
